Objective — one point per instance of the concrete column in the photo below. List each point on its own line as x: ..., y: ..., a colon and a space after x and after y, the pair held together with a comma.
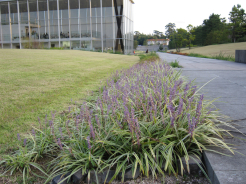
x: 28, y: 16
x: 79, y: 26
x: 101, y: 25
x: 58, y: 19
x: 69, y: 22
x: 10, y: 26
x: 19, y: 23
x: 38, y: 23
x: 123, y: 30
x: 113, y: 25
x: 1, y: 34
x: 91, y: 25
x: 48, y: 11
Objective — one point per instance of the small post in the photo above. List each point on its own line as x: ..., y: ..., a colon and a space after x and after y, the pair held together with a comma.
x: 240, y: 56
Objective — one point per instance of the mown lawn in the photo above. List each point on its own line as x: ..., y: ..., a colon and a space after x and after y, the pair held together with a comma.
x: 214, y: 50
x: 35, y: 82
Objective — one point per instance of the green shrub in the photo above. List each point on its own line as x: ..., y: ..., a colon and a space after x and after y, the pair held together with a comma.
x: 150, y: 57
x: 175, y: 64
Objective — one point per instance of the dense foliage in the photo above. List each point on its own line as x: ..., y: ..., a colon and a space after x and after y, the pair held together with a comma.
x: 146, y: 117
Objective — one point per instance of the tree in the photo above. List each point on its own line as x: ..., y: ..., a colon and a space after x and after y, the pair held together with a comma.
x: 157, y: 33
x: 137, y: 33
x: 135, y: 44
x: 237, y: 18
x: 178, y: 38
x: 191, y: 36
x: 161, y: 47
x: 170, y: 29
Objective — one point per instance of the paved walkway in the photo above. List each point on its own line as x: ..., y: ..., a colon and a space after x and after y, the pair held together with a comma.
x: 229, y: 85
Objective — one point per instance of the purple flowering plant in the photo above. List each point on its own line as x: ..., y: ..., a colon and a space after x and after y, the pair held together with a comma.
x: 143, y: 117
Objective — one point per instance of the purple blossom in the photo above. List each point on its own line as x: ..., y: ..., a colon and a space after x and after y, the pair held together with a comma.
x: 88, y: 142
x: 199, y: 108
x: 24, y: 142
x: 91, y: 128
x: 76, y: 123
x: 59, y: 143
x: 18, y: 137
x: 60, y: 129
x: 172, y: 121
x: 180, y: 107
x: 97, y: 120
x: 33, y: 132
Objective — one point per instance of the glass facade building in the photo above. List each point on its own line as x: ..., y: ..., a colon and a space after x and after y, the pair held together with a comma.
x: 75, y: 24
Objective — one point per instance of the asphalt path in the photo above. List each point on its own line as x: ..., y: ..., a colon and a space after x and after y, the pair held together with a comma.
x: 226, y: 82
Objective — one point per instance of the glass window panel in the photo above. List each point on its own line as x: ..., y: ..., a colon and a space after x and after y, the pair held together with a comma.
x: 84, y: 8
x: 23, y: 12
x: 64, y: 31
x: 96, y: 20
x: 5, y: 23
x: 108, y: 44
x: 95, y: 8
x: 85, y: 45
x: 74, y: 4
x: 54, y: 32
x: 75, y: 33
x: 44, y: 32
x: 33, y: 12
x: 15, y: 32
x: 54, y: 44
x: 43, y: 14
x: 4, y: 14
x: 74, y: 13
x: 54, y: 22
x: 34, y: 31
x: 84, y: 4
x: 13, y: 13
x: 6, y: 46
x: 75, y: 45
x: 85, y: 27
x: 74, y: 21
x: 63, y: 4
x: 107, y: 8
x: 95, y: 4
x: 96, y: 27
x: 107, y: 27
x: 65, y: 44
x: 97, y: 45
x: 63, y: 14
x: 53, y: 9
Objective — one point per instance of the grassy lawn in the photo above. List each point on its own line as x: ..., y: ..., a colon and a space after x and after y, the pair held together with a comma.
x: 35, y: 82
x: 215, y: 50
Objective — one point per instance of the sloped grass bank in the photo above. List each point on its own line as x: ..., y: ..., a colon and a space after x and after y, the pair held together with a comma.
x: 146, y: 117
x: 35, y: 82
x: 220, y: 56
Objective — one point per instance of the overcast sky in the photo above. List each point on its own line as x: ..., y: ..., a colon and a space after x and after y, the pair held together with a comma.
x: 152, y: 15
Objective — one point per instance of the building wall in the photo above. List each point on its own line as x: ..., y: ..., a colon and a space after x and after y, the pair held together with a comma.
x: 74, y: 24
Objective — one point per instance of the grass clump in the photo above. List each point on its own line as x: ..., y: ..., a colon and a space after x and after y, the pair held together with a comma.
x: 220, y: 56
x: 149, y: 57
x: 146, y: 117
x: 175, y: 64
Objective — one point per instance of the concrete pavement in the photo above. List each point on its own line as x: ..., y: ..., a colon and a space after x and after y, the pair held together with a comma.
x: 229, y: 85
